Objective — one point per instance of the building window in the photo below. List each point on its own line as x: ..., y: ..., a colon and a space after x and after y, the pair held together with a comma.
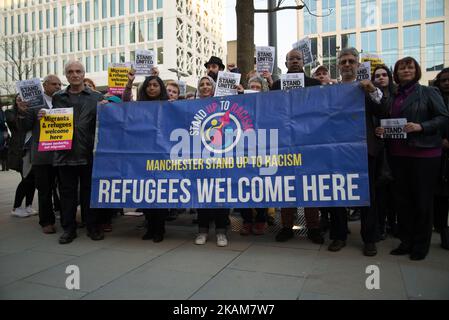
x: 434, y: 8
x: 55, y: 44
x: 411, y: 9
x: 79, y: 10
x: 104, y: 9
x: 55, y: 18
x: 88, y: 66
x: 63, y: 15
x: 132, y: 6
x: 72, y: 14
x: 412, y: 41
x: 33, y: 22
x: 121, y: 7
x: 160, y: 28
x: 347, y: 14
x: 132, y: 56
x: 310, y: 20
x: 64, y: 42
x: 97, y: 63
x: 389, y: 11
x: 369, y: 13
x: 105, y: 62
x: 19, y: 23
x: 113, y: 58
x: 132, y: 32
x: 12, y: 24
x: 160, y: 3
x: 96, y: 37
x: 121, y: 34
x: 47, y: 44
x: 150, y: 33
x: 113, y: 42
x: 26, y: 22
x: 369, y: 41
x: 435, y: 46
x: 330, y: 54
x: 141, y: 5
x: 96, y: 9
x: 348, y: 40
x: 329, y: 21
x: 122, y: 57
x: 112, y: 8
x: 160, y: 55
x: 141, y: 30
x: 72, y: 41
x: 47, y: 18
x: 41, y: 22
x: 87, y: 11
x: 87, y: 39
x: 390, y: 46
x: 104, y: 34
x: 149, y: 5
x: 80, y: 41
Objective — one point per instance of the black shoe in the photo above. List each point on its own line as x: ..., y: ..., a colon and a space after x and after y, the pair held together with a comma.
x: 417, y: 256
x: 400, y: 251
x: 369, y: 249
x: 148, y: 235
x: 270, y: 221
x: 336, y: 245
x: 284, y: 235
x: 96, y: 235
x: 67, y: 237
x: 158, y: 237
x: 315, y: 236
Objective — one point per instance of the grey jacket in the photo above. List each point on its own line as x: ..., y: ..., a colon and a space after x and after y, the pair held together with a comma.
x: 84, y: 122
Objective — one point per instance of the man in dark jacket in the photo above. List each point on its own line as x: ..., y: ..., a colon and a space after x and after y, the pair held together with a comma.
x: 75, y: 165
x: 295, y: 64
x: 44, y: 172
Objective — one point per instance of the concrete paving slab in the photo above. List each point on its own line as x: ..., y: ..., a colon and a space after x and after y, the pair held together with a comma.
x: 150, y: 282
x: 425, y: 282
x: 22, y: 290
x: 252, y: 285
x: 96, y: 269
x: 23, y: 264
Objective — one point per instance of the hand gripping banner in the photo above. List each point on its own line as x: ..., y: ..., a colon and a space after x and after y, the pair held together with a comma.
x: 300, y: 148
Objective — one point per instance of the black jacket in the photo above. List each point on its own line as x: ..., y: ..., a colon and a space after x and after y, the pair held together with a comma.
x: 18, y: 133
x: 84, y: 121
x: 426, y: 107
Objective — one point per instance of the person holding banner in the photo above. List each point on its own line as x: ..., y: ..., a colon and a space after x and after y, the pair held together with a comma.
x: 442, y: 194
x: 206, y: 89
x: 375, y: 106
x: 295, y: 64
x: 75, y: 165
x: 25, y: 189
x: 44, y: 171
x: 415, y: 160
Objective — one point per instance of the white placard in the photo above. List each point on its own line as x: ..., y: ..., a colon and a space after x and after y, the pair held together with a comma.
x: 292, y: 81
x: 394, y: 128
x: 227, y: 83
x: 305, y: 45
x: 265, y: 59
x: 31, y: 91
x: 182, y: 88
x: 364, y: 71
x: 144, y: 62
x: 250, y: 91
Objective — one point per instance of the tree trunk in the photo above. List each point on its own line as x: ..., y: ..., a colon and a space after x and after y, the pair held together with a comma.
x: 245, y: 37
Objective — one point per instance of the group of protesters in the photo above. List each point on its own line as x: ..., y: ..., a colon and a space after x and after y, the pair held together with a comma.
x: 408, y: 178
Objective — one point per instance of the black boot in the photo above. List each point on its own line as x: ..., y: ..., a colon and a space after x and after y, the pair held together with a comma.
x: 445, y: 238
x: 159, y: 228
x: 149, y: 234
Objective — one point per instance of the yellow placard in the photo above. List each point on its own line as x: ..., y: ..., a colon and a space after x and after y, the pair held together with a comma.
x: 56, y: 130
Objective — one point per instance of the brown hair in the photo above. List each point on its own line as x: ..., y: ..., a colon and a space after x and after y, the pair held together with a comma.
x: 406, y: 61
x: 174, y: 84
x: 89, y: 81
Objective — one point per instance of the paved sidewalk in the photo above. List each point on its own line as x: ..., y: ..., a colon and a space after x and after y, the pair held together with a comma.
x: 32, y: 265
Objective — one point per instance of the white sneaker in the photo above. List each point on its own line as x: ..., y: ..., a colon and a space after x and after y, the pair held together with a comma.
x: 31, y: 211
x: 20, y: 212
x: 201, y: 238
x: 222, y: 241
x: 58, y: 215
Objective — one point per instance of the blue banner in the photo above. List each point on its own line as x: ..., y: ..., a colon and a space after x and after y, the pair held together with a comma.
x: 301, y: 148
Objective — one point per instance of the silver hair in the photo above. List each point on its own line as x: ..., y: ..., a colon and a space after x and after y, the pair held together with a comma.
x: 70, y: 62
x: 352, y: 51
x: 47, y: 77
x: 261, y: 80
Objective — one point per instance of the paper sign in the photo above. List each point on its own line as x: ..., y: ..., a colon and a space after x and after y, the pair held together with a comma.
x: 265, y: 59
x: 118, y: 77
x: 182, y: 88
x: 305, y: 45
x: 292, y: 81
x: 31, y: 92
x: 364, y: 71
x: 375, y: 60
x: 56, y: 130
x: 227, y: 83
x: 144, y: 62
x: 394, y: 128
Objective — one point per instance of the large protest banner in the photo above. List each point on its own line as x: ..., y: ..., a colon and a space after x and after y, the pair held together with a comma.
x: 305, y: 147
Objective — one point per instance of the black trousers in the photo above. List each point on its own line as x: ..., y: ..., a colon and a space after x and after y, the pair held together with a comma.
x: 219, y: 216
x: 415, y: 182
x: 156, y: 220
x: 69, y: 179
x: 45, y: 179
x: 338, y: 229
x: 247, y: 215
x: 25, y: 190
x: 369, y: 218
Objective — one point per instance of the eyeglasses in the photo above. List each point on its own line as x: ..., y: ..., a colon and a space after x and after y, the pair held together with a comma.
x: 384, y: 74
x: 350, y: 61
